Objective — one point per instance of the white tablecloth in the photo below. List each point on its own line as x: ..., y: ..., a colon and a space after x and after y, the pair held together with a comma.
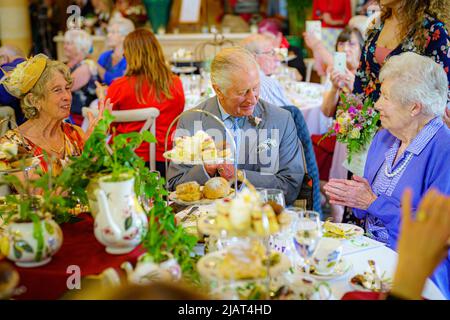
x: 308, y: 97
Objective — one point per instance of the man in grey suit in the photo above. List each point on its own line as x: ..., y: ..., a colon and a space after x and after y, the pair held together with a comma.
x: 269, y: 151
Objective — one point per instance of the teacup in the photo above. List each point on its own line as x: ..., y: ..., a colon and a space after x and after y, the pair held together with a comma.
x: 327, y: 255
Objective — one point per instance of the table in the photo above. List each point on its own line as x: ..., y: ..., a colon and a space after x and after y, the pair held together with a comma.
x: 308, y: 98
x: 80, y: 249
x: 384, y: 257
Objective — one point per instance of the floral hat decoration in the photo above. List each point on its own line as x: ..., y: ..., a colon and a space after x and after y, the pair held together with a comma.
x: 19, y: 81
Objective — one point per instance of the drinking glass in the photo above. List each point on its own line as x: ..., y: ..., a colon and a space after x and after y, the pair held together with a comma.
x: 277, y: 196
x: 307, y: 231
x: 262, y: 194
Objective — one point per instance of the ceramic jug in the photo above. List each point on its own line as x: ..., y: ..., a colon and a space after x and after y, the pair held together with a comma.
x: 121, y: 222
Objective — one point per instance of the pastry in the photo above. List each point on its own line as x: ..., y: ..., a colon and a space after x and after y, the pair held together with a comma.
x: 244, y: 262
x: 189, y: 191
x: 216, y: 188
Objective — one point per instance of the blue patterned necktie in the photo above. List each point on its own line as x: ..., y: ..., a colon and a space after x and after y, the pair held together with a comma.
x: 236, y: 135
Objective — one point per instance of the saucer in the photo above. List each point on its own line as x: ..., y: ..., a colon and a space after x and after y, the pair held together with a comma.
x: 340, y: 270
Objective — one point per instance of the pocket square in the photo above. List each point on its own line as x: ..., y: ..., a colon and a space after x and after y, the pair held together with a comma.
x: 267, y: 145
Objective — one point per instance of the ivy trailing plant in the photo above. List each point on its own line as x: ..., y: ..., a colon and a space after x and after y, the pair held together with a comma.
x: 101, y: 158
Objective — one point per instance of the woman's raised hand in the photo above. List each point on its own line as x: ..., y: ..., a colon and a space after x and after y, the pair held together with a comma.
x: 102, y: 106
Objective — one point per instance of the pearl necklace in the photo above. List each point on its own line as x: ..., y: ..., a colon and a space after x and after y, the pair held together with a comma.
x: 399, y: 169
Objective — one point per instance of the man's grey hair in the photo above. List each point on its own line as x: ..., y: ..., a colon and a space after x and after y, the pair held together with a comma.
x: 254, y: 43
x: 228, y: 61
x: 417, y: 79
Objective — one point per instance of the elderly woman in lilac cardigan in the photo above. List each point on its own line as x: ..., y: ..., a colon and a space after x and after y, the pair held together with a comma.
x: 413, y: 150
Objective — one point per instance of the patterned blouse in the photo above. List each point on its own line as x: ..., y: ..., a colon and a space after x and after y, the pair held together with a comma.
x: 435, y: 36
x: 73, y: 146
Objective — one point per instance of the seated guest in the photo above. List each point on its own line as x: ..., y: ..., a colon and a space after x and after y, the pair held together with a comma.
x: 349, y: 41
x: 411, y: 151
x: 43, y: 87
x: 148, y: 83
x: 112, y: 63
x: 255, y: 123
x: 77, y: 46
x: 264, y: 52
x: 272, y: 28
x: 10, y: 57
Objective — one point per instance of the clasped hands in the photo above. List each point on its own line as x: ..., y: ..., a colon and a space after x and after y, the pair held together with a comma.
x: 355, y: 193
x: 225, y: 170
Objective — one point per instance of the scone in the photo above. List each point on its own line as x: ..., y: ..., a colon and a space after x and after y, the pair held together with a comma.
x: 216, y: 188
x: 189, y: 191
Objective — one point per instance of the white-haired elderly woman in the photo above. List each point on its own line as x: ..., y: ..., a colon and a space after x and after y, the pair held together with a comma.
x: 412, y: 150
x: 77, y: 47
x: 112, y: 63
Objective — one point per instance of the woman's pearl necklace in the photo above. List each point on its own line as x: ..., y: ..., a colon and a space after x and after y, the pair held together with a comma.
x: 399, y: 169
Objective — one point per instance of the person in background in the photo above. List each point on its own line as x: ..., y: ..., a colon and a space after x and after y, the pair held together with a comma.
x: 147, y: 83
x: 332, y: 13
x: 77, y: 47
x: 103, y: 10
x: 272, y: 29
x: 112, y: 63
x: 10, y: 57
x: 349, y: 41
x: 404, y: 25
x: 411, y: 151
x: 264, y: 52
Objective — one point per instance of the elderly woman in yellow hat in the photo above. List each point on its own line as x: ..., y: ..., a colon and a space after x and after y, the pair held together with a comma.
x: 44, y: 87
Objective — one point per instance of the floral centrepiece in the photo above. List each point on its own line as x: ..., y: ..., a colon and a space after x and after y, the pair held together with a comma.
x: 355, y: 125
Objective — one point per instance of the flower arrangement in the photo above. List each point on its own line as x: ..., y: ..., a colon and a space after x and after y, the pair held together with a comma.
x: 356, y: 123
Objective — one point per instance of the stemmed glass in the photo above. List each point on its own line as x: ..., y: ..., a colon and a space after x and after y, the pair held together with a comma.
x: 307, y: 231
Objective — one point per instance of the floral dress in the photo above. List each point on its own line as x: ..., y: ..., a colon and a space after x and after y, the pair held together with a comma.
x: 73, y: 146
x: 433, y: 34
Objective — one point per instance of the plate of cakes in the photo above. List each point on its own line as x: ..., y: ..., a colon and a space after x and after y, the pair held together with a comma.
x: 244, y: 215
x: 191, y: 193
x: 197, y: 149
x: 14, y: 159
x: 248, y: 260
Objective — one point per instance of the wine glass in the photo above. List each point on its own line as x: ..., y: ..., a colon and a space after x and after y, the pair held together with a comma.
x: 262, y: 192
x: 307, y: 232
x: 277, y: 196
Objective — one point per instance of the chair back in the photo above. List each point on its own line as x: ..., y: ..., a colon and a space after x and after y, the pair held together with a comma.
x: 208, y: 49
x: 7, y: 119
x: 148, y: 115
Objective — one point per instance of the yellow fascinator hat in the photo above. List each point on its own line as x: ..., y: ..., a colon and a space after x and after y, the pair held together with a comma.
x: 19, y: 81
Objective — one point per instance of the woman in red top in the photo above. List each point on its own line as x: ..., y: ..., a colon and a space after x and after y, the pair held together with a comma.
x: 148, y: 82
x: 333, y: 13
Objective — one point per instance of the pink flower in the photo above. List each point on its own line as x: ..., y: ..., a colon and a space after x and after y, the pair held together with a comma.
x: 336, y: 127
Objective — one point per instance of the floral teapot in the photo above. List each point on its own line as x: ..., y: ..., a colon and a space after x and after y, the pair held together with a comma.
x: 147, y: 271
x: 121, y: 222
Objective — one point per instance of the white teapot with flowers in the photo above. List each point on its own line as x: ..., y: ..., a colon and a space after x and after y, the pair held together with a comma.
x: 121, y: 222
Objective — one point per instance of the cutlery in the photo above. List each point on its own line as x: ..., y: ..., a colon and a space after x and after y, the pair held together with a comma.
x: 191, y: 211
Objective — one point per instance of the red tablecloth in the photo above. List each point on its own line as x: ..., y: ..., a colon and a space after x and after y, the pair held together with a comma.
x: 80, y: 248
x: 360, y: 295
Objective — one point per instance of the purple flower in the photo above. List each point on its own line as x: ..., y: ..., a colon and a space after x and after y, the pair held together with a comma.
x: 352, y: 110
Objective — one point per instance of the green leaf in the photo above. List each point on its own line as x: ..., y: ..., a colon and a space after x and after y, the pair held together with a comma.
x: 22, y: 244
x: 17, y: 252
x: 49, y: 228
x: 128, y: 222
